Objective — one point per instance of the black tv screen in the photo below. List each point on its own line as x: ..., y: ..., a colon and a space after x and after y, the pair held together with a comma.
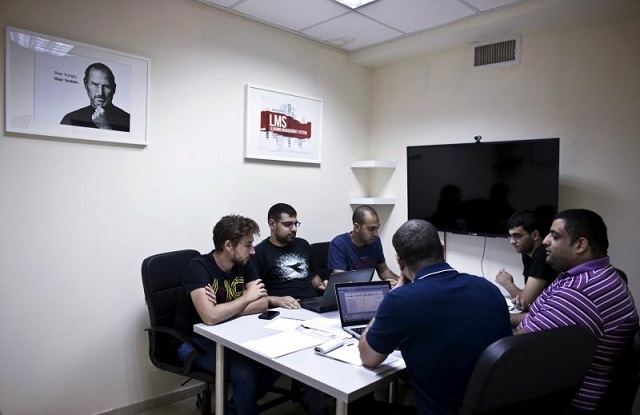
x: 474, y: 188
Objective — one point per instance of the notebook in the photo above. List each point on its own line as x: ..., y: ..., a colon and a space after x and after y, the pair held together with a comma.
x: 358, y: 303
x: 327, y: 301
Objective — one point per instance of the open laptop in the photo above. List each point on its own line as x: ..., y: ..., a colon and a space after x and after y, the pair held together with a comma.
x: 327, y: 301
x: 358, y: 303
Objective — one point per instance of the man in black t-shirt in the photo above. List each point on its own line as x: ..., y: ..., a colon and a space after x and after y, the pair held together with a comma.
x: 218, y: 286
x: 526, y: 232
x: 283, y: 261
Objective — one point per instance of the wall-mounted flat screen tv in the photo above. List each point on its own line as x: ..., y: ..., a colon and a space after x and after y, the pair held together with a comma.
x: 474, y: 188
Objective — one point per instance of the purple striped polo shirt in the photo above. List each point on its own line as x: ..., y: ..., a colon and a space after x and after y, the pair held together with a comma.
x: 594, y: 296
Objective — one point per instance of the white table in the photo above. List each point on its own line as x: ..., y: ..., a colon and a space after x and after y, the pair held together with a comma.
x: 343, y: 381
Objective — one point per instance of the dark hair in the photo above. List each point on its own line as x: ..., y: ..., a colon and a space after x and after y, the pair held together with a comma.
x: 583, y: 223
x: 276, y: 211
x: 99, y: 67
x: 361, y: 212
x: 527, y: 219
x: 417, y: 244
x: 233, y: 228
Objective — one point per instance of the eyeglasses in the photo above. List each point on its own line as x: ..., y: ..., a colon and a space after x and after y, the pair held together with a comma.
x: 517, y: 236
x: 290, y: 224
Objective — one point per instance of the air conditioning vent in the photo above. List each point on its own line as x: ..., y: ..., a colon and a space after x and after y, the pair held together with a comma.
x: 505, y: 52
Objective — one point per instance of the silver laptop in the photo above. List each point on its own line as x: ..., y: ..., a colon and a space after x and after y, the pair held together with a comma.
x: 358, y: 303
x: 327, y: 301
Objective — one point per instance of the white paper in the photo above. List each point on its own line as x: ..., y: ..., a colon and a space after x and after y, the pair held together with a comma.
x: 282, y: 343
x: 329, y: 345
x: 283, y: 324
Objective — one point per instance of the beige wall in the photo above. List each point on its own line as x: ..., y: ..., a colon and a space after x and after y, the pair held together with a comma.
x: 579, y: 83
x: 77, y: 219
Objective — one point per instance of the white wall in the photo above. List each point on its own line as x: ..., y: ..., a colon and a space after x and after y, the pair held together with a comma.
x: 78, y: 219
x: 579, y: 83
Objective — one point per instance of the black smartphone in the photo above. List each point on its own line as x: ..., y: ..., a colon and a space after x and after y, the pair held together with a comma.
x: 268, y: 315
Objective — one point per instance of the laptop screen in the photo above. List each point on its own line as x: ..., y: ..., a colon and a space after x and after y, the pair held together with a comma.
x: 358, y: 302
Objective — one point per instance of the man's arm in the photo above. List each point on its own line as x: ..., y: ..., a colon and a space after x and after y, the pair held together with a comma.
x: 253, y: 300
x: 515, y: 319
x: 369, y: 357
x: 506, y: 281
x: 385, y: 273
x: 530, y: 292
x: 318, y: 283
x: 285, y: 302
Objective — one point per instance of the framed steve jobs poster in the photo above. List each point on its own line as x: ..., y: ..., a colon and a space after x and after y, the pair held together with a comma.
x: 59, y: 88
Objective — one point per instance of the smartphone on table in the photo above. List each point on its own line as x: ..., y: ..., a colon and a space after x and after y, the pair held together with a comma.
x: 268, y: 315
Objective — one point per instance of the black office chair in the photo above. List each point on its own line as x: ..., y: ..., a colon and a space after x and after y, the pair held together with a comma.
x: 319, y: 254
x: 532, y: 373
x: 621, y: 393
x: 161, y: 279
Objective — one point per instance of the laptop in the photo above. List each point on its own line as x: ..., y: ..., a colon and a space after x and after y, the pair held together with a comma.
x: 327, y: 301
x: 358, y: 303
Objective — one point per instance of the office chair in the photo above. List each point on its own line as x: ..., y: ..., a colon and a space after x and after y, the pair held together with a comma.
x: 161, y: 279
x: 319, y: 254
x: 532, y: 373
x: 162, y: 282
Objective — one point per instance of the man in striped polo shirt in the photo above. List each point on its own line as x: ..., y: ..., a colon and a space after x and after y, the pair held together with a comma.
x: 587, y: 292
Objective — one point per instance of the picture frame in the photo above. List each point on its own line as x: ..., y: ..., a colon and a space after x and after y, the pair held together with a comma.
x: 46, y: 93
x: 282, y: 126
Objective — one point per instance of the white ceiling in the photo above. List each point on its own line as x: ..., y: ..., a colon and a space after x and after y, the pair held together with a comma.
x: 390, y: 30
x: 378, y: 22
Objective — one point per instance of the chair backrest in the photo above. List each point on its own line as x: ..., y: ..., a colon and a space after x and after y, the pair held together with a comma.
x: 319, y: 254
x: 620, y: 396
x: 532, y: 373
x: 162, y: 282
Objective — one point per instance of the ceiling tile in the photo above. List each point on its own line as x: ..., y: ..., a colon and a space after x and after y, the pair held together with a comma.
x: 221, y: 3
x: 416, y: 15
x: 484, y: 5
x: 352, y: 31
x: 291, y: 14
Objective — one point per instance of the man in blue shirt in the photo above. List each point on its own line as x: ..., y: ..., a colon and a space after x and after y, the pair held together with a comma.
x: 360, y: 248
x: 440, y: 319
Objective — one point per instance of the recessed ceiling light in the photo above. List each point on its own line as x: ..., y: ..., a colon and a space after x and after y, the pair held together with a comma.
x: 354, y: 4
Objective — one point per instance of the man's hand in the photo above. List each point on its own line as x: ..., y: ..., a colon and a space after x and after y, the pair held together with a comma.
x: 284, y: 302
x: 393, y: 282
x: 504, y: 278
x: 519, y: 303
x: 255, y: 291
x: 211, y: 295
x: 99, y: 118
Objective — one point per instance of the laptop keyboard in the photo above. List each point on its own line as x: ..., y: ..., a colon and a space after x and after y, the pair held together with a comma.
x: 358, y: 330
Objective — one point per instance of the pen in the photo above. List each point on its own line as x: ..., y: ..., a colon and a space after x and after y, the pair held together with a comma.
x: 292, y: 318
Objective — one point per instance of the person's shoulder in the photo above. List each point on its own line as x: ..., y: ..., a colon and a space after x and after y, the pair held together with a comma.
x: 119, y: 111
x: 301, y: 242
x: 341, y: 238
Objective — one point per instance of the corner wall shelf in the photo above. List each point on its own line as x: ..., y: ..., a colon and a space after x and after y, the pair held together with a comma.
x: 373, y: 164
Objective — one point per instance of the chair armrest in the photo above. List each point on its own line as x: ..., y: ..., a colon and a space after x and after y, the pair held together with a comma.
x: 179, y: 336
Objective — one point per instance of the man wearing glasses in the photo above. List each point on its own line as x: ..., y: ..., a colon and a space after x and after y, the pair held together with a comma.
x: 526, y: 234
x: 283, y: 263
x: 360, y: 248
x: 283, y: 260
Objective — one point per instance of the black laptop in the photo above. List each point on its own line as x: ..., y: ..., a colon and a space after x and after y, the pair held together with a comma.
x: 327, y: 301
x: 358, y: 303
